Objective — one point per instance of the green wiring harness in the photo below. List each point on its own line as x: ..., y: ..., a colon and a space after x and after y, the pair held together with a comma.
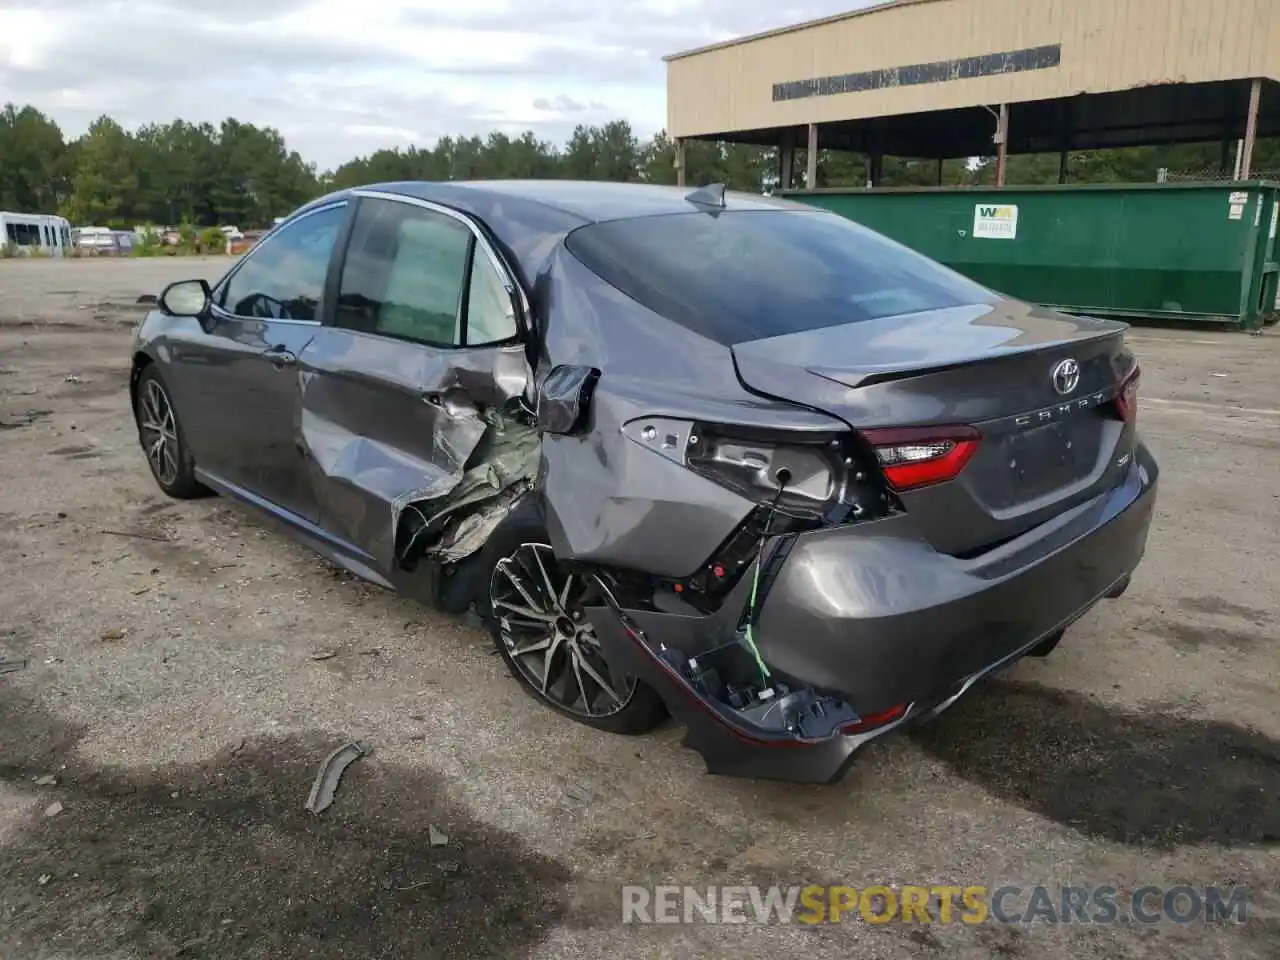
x: 751, y: 643
x: 755, y: 587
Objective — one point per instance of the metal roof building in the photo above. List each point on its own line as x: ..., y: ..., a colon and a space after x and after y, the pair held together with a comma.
x: 954, y: 78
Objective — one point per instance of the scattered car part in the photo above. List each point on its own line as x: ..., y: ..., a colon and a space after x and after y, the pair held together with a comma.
x: 12, y: 666
x: 330, y: 774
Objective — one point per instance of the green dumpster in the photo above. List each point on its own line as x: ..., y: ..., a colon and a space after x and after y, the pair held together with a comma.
x: 1203, y: 252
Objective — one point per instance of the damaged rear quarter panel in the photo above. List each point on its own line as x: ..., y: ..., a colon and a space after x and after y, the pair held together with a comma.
x: 609, y: 500
x: 388, y: 423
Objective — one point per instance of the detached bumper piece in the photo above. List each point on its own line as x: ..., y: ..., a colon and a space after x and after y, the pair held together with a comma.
x: 798, y: 736
x: 741, y: 724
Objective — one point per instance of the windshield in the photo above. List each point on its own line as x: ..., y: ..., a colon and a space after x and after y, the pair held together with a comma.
x: 748, y: 275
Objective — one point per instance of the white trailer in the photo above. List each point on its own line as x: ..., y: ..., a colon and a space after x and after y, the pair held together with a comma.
x: 26, y: 233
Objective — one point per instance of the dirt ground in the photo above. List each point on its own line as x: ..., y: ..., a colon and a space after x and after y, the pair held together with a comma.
x: 188, y: 669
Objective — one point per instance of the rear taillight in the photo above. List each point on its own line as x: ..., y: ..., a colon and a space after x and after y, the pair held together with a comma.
x: 1127, y: 397
x: 913, y: 457
x: 873, y: 720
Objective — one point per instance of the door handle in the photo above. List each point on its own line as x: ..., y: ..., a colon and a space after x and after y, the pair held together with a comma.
x: 279, y: 356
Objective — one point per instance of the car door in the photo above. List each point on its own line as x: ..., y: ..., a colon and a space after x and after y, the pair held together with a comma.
x: 238, y: 381
x: 424, y: 342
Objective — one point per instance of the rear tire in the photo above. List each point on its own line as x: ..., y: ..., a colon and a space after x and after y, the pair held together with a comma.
x: 533, y: 611
x: 162, y: 439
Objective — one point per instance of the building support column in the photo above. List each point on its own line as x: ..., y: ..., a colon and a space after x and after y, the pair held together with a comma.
x: 1002, y: 143
x: 1251, y: 130
x: 940, y: 163
x: 811, y: 159
x: 679, y: 162
x: 1067, y: 123
x: 786, y: 159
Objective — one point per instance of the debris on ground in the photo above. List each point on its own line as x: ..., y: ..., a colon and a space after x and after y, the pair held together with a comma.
x: 44, y: 879
x: 71, y: 378
x: 53, y: 809
x: 139, y: 535
x: 115, y: 633
x: 330, y: 773
x: 324, y: 655
x: 24, y: 419
x: 48, y: 780
x: 579, y: 793
x: 646, y: 835
x: 438, y: 838
x: 12, y: 666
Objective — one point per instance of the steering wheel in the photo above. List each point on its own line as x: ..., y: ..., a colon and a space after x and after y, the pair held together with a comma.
x: 264, y: 306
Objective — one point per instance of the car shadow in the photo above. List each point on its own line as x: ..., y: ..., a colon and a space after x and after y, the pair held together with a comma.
x: 220, y: 859
x: 1154, y: 779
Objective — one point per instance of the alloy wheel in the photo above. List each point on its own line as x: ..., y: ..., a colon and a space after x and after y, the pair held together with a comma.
x: 539, y: 612
x: 159, y: 431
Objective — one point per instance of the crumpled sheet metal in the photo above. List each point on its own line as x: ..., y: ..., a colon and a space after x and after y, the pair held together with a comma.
x: 506, y: 460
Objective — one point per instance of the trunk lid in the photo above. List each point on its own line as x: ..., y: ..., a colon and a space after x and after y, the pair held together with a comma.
x: 1050, y: 437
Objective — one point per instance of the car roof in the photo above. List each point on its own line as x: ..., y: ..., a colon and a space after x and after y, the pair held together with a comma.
x: 524, y: 215
x: 587, y: 201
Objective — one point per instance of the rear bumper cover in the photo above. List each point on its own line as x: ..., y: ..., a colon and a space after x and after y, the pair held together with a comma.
x: 872, y: 614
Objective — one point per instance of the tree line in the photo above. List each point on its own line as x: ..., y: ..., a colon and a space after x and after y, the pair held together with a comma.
x: 239, y: 173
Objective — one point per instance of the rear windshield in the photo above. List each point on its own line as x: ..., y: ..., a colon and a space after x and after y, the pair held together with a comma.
x: 747, y: 275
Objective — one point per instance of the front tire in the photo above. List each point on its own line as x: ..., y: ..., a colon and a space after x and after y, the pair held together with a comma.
x: 533, y: 609
x: 162, y: 438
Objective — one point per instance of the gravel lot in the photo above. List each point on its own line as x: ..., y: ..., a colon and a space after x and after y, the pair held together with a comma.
x: 188, y: 669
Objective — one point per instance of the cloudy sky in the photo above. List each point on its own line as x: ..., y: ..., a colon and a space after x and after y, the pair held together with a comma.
x: 344, y: 77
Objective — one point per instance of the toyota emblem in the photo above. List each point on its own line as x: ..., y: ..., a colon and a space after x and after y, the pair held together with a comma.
x: 1066, y: 376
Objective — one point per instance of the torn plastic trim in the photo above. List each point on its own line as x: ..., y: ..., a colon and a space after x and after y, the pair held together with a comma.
x: 722, y: 679
x: 330, y: 774
x: 728, y: 745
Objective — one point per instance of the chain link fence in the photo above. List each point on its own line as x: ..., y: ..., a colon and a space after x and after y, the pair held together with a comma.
x: 1211, y: 176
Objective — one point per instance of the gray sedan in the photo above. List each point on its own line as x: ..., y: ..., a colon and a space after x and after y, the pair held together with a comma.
x: 703, y: 454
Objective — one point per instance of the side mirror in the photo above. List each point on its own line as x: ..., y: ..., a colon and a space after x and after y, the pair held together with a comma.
x: 186, y: 298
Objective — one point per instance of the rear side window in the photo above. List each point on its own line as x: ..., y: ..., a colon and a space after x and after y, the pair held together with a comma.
x: 418, y: 275
x: 749, y: 275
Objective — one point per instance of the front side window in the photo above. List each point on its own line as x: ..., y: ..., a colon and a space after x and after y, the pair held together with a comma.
x: 284, y: 278
x: 419, y: 275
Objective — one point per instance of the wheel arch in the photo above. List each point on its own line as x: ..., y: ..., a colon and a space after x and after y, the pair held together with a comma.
x: 141, y: 360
